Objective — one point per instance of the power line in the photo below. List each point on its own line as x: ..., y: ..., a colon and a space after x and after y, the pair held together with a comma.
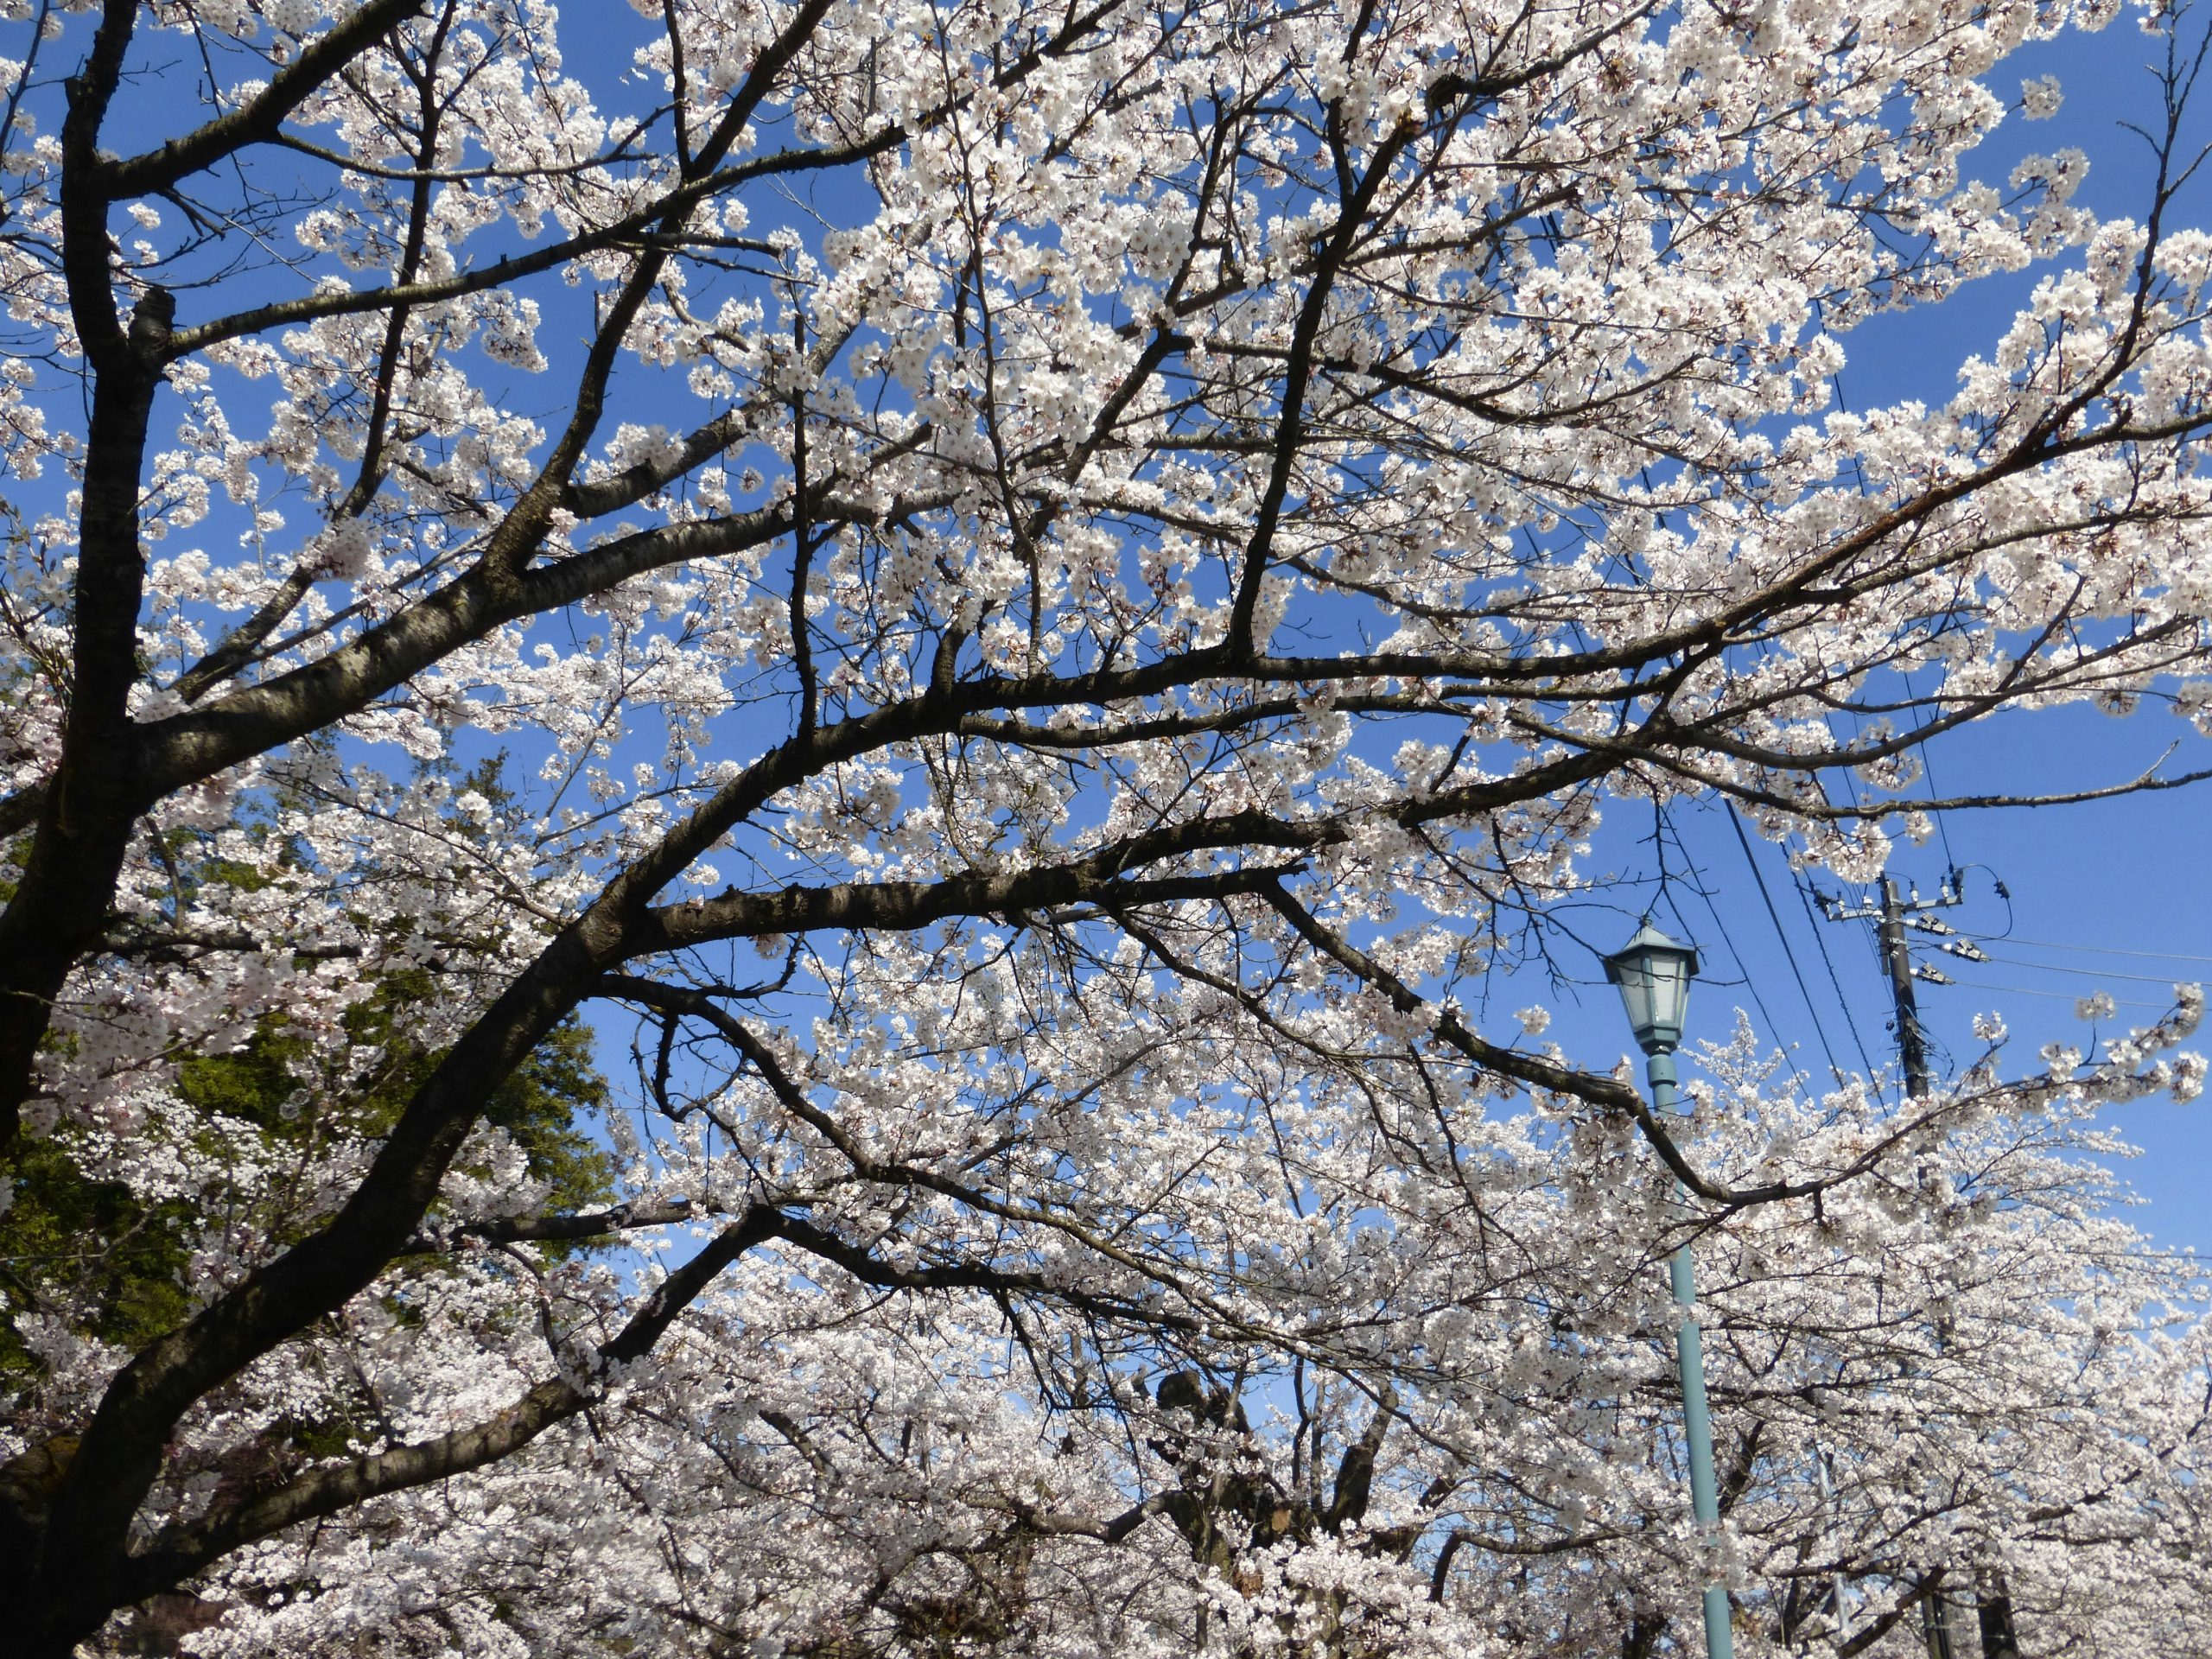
x: 2085, y: 973
x: 1694, y: 879
x: 1736, y: 823
x: 1922, y: 721
x: 1820, y: 944
x: 2062, y: 996
x: 2094, y: 949
x: 1806, y: 895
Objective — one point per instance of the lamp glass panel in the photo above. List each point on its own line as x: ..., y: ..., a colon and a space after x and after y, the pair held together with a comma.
x: 1637, y: 991
x: 1670, y: 991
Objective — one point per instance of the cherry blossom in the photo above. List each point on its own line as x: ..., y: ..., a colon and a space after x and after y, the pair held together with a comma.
x: 1026, y: 611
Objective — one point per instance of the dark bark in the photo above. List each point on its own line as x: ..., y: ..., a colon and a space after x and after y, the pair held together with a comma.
x: 59, y: 910
x: 60, y: 906
x: 2000, y: 1639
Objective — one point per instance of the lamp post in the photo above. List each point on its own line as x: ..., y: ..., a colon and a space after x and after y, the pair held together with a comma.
x: 1653, y: 974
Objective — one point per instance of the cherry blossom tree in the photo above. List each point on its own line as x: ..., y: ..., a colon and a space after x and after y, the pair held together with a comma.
x: 1039, y: 601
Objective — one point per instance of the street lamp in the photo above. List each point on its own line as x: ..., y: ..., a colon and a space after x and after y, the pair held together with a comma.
x: 1653, y: 974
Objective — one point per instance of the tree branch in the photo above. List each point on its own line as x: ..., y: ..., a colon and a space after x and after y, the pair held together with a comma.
x: 177, y: 1552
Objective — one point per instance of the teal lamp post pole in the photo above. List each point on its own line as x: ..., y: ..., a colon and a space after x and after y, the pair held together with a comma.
x: 1653, y: 974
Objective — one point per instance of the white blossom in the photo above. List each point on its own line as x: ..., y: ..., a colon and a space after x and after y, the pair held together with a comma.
x: 1041, y: 619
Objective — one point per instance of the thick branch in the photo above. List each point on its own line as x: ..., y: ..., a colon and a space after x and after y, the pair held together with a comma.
x: 178, y: 1552
x: 521, y: 1230
x: 259, y: 120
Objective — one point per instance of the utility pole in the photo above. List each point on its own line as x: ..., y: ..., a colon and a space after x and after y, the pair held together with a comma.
x: 1912, y: 1049
x: 1839, y: 1583
x: 1913, y: 1043
x: 1897, y: 912
x: 1999, y: 1639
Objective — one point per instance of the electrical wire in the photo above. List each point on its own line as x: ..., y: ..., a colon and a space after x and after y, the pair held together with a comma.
x: 1922, y: 721
x: 1693, y: 880
x: 2062, y: 996
x: 1790, y: 955
x: 1820, y: 944
x: 2102, y: 950
x: 1873, y: 944
x: 2084, y: 973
